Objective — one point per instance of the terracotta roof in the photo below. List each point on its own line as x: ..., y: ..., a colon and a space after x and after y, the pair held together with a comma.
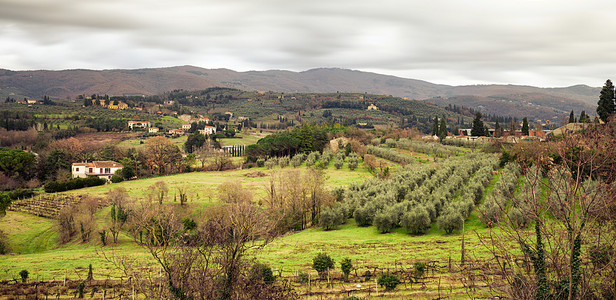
x: 83, y: 165
x: 107, y: 164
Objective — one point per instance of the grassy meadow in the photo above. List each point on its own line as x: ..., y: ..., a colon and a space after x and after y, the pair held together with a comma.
x: 35, y: 248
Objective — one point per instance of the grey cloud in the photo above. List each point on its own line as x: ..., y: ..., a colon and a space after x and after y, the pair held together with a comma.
x: 445, y: 41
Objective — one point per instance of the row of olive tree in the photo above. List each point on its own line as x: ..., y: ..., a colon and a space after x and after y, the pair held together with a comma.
x: 414, y: 197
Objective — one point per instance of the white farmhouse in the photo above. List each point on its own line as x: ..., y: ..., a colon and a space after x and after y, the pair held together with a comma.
x: 139, y: 124
x: 208, y: 130
x: 102, y: 169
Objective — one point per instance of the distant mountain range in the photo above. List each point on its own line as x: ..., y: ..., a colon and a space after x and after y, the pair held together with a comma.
x: 511, y: 100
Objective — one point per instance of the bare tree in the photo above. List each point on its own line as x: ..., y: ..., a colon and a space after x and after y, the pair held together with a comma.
x: 158, y: 192
x: 209, y: 262
x: 568, y: 194
x: 119, y: 212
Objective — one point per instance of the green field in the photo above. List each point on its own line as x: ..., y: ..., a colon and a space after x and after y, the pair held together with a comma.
x: 34, y: 239
x: 139, y: 143
x: 242, y: 139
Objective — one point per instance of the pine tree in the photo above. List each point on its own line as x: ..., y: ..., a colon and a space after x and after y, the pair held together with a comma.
x: 478, y: 128
x: 571, y: 117
x: 525, y: 126
x: 605, y: 106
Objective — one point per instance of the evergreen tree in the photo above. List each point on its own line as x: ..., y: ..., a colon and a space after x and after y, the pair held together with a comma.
x: 435, y: 130
x: 584, y: 118
x: 605, y: 106
x: 442, y: 132
x: 478, y: 128
x: 525, y: 126
x: 497, y: 129
x: 571, y: 117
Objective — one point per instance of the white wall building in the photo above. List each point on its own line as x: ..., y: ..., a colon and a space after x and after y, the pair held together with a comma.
x: 102, y: 169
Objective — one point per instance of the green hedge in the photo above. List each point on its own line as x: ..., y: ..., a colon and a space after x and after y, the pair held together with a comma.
x: 73, y: 184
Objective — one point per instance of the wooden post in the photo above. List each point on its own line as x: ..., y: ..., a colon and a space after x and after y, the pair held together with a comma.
x: 64, y: 284
x: 376, y: 284
x: 462, y: 251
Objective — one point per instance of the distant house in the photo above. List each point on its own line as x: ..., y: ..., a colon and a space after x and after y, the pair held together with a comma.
x: 465, y: 131
x: 176, y: 132
x: 208, y: 130
x: 186, y: 126
x: 120, y: 105
x: 138, y: 124
x: 373, y: 107
x: 101, y: 169
x: 31, y: 101
x: 153, y: 129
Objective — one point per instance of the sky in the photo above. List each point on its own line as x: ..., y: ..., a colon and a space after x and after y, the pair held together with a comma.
x: 547, y: 43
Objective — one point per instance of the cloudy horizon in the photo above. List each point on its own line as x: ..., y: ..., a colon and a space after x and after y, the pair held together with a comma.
x: 539, y: 43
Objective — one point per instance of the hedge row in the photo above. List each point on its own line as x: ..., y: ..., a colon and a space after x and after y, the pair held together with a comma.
x: 73, y: 184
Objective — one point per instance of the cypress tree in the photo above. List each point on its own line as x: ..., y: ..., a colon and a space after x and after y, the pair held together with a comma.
x: 571, y: 117
x: 525, y: 126
x: 497, y: 129
x: 583, y: 117
x: 435, y: 130
x: 478, y: 128
x: 605, y: 106
x: 442, y: 132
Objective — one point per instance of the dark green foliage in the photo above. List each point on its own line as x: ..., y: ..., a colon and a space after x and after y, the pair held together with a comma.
x: 75, y: 183
x: 189, y: 224
x: 419, y: 268
x: 116, y: 178
x: 571, y: 117
x: 90, y: 273
x: 435, y: 129
x: 303, y: 277
x: 305, y: 139
x: 322, y: 263
x: 416, y: 221
x: 388, y: 281
x: 385, y: 221
x: 584, y: 118
x: 193, y: 142
x: 80, y: 289
x: 24, y: 275
x: 338, y: 163
x: 525, y: 128
x: 478, y: 128
x: 363, y: 216
x: 262, y: 272
x: 605, y: 106
x: 16, y: 163
x: 346, y: 266
x: 103, y: 236
x: 353, y: 161
x: 442, y: 130
x: 5, y: 201
x: 330, y: 217
x: 450, y: 221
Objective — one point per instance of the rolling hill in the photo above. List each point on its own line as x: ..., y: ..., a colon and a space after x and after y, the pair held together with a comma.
x: 69, y: 83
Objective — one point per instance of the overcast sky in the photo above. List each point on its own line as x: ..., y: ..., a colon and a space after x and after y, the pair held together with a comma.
x: 541, y: 43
